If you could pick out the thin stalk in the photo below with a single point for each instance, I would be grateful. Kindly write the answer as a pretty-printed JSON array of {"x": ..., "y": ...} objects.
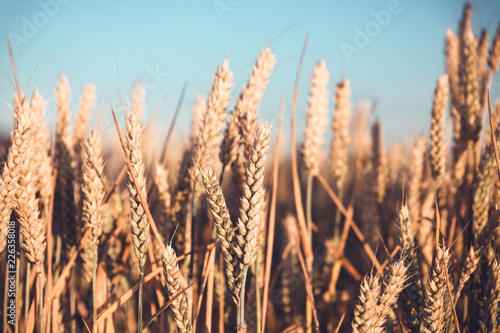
[
  {"x": 94, "y": 287},
  {"x": 27, "y": 293},
  {"x": 72, "y": 299},
  {"x": 191, "y": 258},
  {"x": 241, "y": 304},
  {"x": 338, "y": 217},
  {"x": 221, "y": 176},
  {"x": 18, "y": 268},
  {"x": 139, "y": 308},
  {"x": 310, "y": 179},
  {"x": 222, "y": 294},
  {"x": 257, "y": 293},
  {"x": 40, "y": 301},
  {"x": 5, "y": 287}
]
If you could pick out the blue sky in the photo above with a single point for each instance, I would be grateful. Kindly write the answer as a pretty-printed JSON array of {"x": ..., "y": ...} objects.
[{"x": 167, "y": 43}]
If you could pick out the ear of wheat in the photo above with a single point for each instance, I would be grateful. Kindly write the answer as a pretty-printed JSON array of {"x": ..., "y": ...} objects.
[{"x": 17, "y": 154}]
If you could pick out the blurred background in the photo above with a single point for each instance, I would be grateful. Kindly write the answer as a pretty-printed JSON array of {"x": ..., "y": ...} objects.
[{"x": 392, "y": 51}]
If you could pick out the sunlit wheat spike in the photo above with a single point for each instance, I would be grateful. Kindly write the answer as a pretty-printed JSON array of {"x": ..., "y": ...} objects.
[
  {"x": 82, "y": 121},
  {"x": 93, "y": 184},
  {"x": 31, "y": 225},
  {"x": 394, "y": 282},
  {"x": 340, "y": 128},
  {"x": 251, "y": 94},
  {"x": 65, "y": 200},
  {"x": 251, "y": 201},
  {"x": 199, "y": 110},
  {"x": 364, "y": 313},
  {"x": 42, "y": 160},
  {"x": 21, "y": 138},
  {"x": 482, "y": 181},
  {"x": 469, "y": 78},
  {"x": 223, "y": 226},
  {"x": 494, "y": 59},
  {"x": 63, "y": 95},
  {"x": 179, "y": 305},
  {"x": 229, "y": 147},
  {"x": 482, "y": 54},
  {"x": 139, "y": 220},
  {"x": 437, "y": 149},
  {"x": 434, "y": 312},
  {"x": 138, "y": 99},
  {"x": 379, "y": 162},
  {"x": 452, "y": 52},
  {"x": 212, "y": 123},
  {"x": 252, "y": 198},
  {"x": 411, "y": 298},
  {"x": 84, "y": 112},
  {"x": 163, "y": 200},
  {"x": 493, "y": 297},
  {"x": 291, "y": 266},
  {"x": 416, "y": 176},
  {"x": 316, "y": 121},
  {"x": 474, "y": 254}
]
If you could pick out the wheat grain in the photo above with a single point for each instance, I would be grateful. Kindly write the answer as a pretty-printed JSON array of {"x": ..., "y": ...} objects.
[
  {"x": 223, "y": 226},
  {"x": 412, "y": 296},
  {"x": 394, "y": 283},
  {"x": 17, "y": 153},
  {"x": 316, "y": 120},
  {"x": 340, "y": 127},
  {"x": 364, "y": 313},
  {"x": 434, "y": 311},
  {"x": 437, "y": 148},
  {"x": 139, "y": 220},
  {"x": 173, "y": 276}
]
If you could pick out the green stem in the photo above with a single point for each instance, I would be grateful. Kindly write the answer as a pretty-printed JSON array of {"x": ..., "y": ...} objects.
[{"x": 139, "y": 308}]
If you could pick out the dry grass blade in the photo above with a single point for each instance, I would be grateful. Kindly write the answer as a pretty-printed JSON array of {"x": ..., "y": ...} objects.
[{"x": 272, "y": 219}]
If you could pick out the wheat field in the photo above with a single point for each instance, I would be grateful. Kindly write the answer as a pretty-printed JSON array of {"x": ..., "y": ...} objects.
[{"x": 231, "y": 233}]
